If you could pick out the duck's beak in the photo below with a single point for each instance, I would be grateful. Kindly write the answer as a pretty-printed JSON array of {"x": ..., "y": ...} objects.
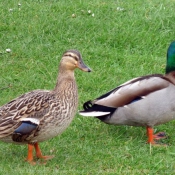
[{"x": 83, "y": 67}]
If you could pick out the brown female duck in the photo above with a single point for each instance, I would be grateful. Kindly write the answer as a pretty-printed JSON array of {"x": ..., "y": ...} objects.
[{"x": 42, "y": 114}]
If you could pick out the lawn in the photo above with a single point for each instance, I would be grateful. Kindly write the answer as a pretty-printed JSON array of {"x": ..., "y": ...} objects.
[{"x": 119, "y": 40}]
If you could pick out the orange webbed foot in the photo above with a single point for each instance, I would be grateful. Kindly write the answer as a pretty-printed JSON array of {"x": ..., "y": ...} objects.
[
  {"x": 31, "y": 162},
  {"x": 152, "y": 137},
  {"x": 45, "y": 157},
  {"x": 160, "y": 135},
  {"x": 38, "y": 154}
]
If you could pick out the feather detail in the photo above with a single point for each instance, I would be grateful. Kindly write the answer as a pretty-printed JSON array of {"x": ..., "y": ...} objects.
[
  {"x": 132, "y": 91},
  {"x": 31, "y": 120},
  {"x": 93, "y": 113},
  {"x": 96, "y": 110},
  {"x": 26, "y": 127}
]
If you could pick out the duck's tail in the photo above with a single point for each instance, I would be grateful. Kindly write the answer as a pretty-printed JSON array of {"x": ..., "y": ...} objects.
[{"x": 95, "y": 110}]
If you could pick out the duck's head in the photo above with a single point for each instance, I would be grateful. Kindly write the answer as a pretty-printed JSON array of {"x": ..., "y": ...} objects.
[
  {"x": 170, "y": 66},
  {"x": 71, "y": 60}
]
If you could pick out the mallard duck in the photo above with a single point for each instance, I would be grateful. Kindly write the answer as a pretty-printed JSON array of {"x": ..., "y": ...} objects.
[
  {"x": 40, "y": 115},
  {"x": 144, "y": 101}
]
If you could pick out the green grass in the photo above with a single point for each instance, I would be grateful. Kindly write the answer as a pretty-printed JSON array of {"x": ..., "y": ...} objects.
[{"x": 118, "y": 45}]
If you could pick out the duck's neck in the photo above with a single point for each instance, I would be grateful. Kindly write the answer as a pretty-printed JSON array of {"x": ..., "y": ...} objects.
[
  {"x": 65, "y": 81},
  {"x": 171, "y": 77},
  {"x": 170, "y": 66}
]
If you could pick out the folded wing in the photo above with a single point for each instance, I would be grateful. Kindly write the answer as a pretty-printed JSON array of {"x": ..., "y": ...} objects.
[{"x": 129, "y": 92}]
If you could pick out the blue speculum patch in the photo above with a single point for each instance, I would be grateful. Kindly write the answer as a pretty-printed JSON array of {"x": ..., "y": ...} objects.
[{"x": 26, "y": 127}]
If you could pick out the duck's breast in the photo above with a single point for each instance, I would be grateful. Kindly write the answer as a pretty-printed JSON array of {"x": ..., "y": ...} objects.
[{"x": 57, "y": 120}]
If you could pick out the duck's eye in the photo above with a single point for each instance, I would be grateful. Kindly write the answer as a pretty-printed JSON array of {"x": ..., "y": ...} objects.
[{"x": 76, "y": 59}]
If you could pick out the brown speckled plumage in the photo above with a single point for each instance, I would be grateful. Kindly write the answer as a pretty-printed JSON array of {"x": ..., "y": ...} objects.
[{"x": 47, "y": 113}]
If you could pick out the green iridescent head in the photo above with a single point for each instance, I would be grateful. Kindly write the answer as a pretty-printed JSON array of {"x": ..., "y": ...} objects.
[{"x": 170, "y": 66}]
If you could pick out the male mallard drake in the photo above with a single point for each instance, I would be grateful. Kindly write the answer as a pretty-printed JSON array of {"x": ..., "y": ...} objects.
[
  {"x": 143, "y": 101},
  {"x": 41, "y": 114}
]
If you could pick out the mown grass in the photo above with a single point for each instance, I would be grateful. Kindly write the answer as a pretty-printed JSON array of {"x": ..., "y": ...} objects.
[{"x": 118, "y": 44}]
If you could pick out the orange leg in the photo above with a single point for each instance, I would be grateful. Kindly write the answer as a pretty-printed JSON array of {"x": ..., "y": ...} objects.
[
  {"x": 39, "y": 154},
  {"x": 152, "y": 136},
  {"x": 30, "y": 154}
]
